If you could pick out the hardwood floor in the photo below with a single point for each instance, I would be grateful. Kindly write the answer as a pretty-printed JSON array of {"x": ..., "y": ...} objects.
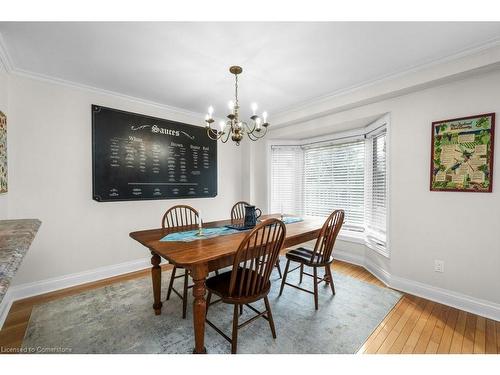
[
  {"x": 419, "y": 326},
  {"x": 414, "y": 325}
]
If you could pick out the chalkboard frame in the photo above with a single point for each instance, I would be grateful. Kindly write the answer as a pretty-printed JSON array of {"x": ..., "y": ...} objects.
[{"x": 95, "y": 109}]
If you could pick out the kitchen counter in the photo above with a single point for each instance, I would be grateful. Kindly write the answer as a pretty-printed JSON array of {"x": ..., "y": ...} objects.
[{"x": 15, "y": 239}]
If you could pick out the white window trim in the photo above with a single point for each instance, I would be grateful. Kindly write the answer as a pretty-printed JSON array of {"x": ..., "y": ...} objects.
[
  {"x": 375, "y": 128},
  {"x": 341, "y": 137}
]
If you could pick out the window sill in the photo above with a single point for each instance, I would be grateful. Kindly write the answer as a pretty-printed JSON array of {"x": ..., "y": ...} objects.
[
  {"x": 351, "y": 236},
  {"x": 359, "y": 238}
]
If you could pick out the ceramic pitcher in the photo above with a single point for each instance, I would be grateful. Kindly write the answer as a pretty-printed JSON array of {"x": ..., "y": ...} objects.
[{"x": 251, "y": 215}]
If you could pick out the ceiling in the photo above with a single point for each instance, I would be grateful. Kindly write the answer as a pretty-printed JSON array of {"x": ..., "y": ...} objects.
[{"x": 185, "y": 65}]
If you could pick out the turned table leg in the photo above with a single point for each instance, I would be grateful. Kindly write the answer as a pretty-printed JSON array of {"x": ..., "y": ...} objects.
[
  {"x": 156, "y": 278},
  {"x": 199, "y": 274},
  {"x": 327, "y": 275}
]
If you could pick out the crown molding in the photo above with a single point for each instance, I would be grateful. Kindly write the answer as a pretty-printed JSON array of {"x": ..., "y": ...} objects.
[
  {"x": 305, "y": 111},
  {"x": 6, "y": 62},
  {"x": 97, "y": 90}
]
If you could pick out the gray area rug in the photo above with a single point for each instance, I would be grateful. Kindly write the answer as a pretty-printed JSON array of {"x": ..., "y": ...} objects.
[{"x": 119, "y": 319}]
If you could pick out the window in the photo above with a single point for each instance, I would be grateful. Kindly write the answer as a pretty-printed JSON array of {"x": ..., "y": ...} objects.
[
  {"x": 334, "y": 178},
  {"x": 315, "y": 179},
  {"x": 376, "y": 184},
  {"x": 286, "y": 179}
]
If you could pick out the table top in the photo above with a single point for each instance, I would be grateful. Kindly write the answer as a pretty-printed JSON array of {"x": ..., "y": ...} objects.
[
  {"x": 207, "y": 249},
  {"x": 15, "y": 239}
]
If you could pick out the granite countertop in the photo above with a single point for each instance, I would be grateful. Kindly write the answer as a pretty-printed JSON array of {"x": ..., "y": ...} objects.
[{"x": 15, "y": 239}]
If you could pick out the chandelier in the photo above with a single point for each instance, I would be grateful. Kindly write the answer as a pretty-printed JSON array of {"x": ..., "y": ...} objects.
[{"x": 234, "y": 127}]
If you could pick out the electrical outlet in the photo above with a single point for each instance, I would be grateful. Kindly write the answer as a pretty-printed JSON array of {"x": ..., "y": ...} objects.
[{"x": 438, "y": 265}]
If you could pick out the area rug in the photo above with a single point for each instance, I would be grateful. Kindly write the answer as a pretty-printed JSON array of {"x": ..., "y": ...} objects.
[{"x": 119, "y": 319}]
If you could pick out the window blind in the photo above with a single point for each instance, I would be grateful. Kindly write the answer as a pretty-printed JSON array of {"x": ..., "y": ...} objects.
[
  {"x": 286, "y": 179},
  {"x": 316, "y": 179},
  {"x": 334, "y": 179},
  {"x": 376, "y": 186}
]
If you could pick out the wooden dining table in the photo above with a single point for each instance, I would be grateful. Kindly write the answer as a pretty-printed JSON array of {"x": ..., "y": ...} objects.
[{"x": 204, "y": 255}]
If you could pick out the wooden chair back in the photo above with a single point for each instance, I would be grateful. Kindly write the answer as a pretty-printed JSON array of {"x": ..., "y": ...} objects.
[
  {"x": 238, "y": 210},
  {"x": 327, "y": 236},
  {"x": 255, "y": 259},
  {"x": 180, "y": 216}
]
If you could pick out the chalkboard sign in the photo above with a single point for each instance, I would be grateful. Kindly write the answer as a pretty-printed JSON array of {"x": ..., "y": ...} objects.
[{"x": 137, "y": 157}]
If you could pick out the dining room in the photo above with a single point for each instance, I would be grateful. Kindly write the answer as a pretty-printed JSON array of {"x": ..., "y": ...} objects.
[{"x": 251, "y": 187}]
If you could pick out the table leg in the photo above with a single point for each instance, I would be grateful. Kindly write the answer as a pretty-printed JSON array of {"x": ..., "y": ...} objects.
[
  {"x": 327, "y": 276},
  {"x": 199, "y": 274},
  {"x": 156, "y": 278}
]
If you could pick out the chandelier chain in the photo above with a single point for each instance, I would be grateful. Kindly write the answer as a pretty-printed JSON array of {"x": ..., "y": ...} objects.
[{"x": 236, "y": 89}]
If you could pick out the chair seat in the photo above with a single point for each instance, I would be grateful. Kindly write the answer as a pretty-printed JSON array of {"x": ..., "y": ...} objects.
[
  {"x": 303, "y": 255},
  {"x": 219, "y": 285}
]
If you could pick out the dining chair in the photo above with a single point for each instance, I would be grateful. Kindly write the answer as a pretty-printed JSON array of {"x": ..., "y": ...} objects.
[
  {"x": 249, "y": 279},
  {"x": 180, "y": 218},
  {"x": 238, "y": 210},
  {"x": 238, "y": 213},
  {"x": 321, "y": 256}
]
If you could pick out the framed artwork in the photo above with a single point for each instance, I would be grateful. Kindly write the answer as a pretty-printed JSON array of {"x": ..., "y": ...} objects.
[
  {"x": 3, "y": 153},
  {"x": 462, "y": 154}
]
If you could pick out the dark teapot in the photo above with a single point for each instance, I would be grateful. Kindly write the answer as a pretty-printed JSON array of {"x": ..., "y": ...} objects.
[{"x": 251, "y": 215}]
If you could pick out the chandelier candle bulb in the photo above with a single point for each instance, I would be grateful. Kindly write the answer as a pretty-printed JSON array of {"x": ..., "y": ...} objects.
[
  {"x": 264, "y": 116},
  {"x": 257, "y": 123},
  {"x": 230, "y": 104},
  {"x": 210, "y": 111}
]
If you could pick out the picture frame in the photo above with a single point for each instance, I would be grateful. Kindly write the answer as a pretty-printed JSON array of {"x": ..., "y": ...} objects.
[{"x": 462, "y": 152}]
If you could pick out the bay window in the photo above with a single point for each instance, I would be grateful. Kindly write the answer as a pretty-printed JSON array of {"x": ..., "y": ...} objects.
[{"x": 350, "y": 174}]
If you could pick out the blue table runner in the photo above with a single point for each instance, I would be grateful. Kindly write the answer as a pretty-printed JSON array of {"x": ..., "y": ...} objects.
[
  {"x": 292, "y": 219},
  {"x": 192, "y": 235}
]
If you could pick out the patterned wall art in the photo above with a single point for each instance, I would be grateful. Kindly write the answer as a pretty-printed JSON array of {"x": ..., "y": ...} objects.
[
  {"x": 462, "y": 154},
  {"x": 3, "y": 153}
]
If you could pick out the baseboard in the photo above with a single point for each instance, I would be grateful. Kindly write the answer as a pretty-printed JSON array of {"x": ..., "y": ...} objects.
[
  {"x": 348, "y": 257},
  {"x": 22, "y": 291},
  {"x": 383, "y": 275},
  {"x": 5, "y": 307},
  {"x": 447, "y": 297}
]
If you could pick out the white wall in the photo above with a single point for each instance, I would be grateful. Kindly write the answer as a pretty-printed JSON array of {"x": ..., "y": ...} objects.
[
  {"x": 50, "y": 179},
  {"x": 3, "y": 107},
  {"x": 463, "y": 229}
]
